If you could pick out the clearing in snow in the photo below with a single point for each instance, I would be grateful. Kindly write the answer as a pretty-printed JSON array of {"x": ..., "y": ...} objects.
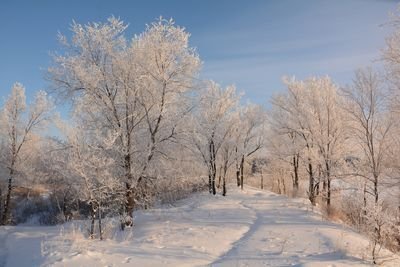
[{"x": 246, "y": 228}]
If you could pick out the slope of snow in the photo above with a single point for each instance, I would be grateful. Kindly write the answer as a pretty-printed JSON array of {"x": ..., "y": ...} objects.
[{"x": 246, "y": 228}]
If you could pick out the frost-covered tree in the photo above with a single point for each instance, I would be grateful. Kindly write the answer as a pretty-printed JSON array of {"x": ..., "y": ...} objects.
[
  {"x": 249, "y": 136},
  {"x": 391, "y": 57},
  {"x": 310, "y": 120},
  {"x": 212, "y": 125},
  {"x": 328, "y": 129},
  {"x": 370, "y": 126},
  {"x": 19, "y": 123},
  {"x": 293, "y": 117},
  {"x": 286, "y": 148},
  {"x": 380, "y": 228},
  {"x": 228, "y": 155},
  {"x": 133, "y": 90},
  {"x": 56, "y": 176},
  {"x": 99, "y": 187}
]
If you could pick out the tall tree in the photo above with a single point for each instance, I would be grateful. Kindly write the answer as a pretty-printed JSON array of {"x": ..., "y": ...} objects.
[
  {"x": 328, "y": 129},
  {"x": 135, "y": 91},
  {"x": 370, "y": 125},
  {"x": 293, "y": 117}
]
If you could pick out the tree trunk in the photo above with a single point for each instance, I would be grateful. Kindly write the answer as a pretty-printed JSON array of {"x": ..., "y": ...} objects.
[
  {"x": 100, "y": 230},
  {"x": 296, "y": 172},
  {"x": 328, "y": 185},
  {"x": 241, "y": 172},
  {"x": 214, "y": 190},
  {"x": 319, "y": 181},
  {"x": 210, "y": 181},
  {"x": 311, "y": 193},
  {"x": 262, "y": 180},
  {"x": 129, "y": 206},
  {"x": 145, "y": 194},
  {"x": 129, "y": 197},
  {"x": 214, "y": 172},
  {"x": 328, "y": 198},
  {"x": 7, "y": 209},
  {"x": 93, "y": 216},
  {"x": 365, "y": 199},
  {"x": 210, "y": 169},
  {"x": 224, "y": 184},
  {"x": 237, "y": 169},
  {"x": 373, "y": 252},
  {"x": 213, "y": 167},
  {"x": 376, "y": 189},
  {"x": 238, "y": 175}
]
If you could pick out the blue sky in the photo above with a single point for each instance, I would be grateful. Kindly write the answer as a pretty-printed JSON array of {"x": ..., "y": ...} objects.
[{"x": 248, "y": 43}]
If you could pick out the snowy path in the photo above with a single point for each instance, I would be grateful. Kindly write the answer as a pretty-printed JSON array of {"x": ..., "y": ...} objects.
[
  {"x": 249, "y": 228},
  {"x": 285, "y": 233}
]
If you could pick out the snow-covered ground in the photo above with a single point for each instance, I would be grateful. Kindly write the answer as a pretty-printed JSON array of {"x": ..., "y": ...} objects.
[{"x": 246, "y": 228}]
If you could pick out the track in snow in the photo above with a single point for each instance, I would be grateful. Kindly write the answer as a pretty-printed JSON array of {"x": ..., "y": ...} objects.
[{"x": 246, "y": 228}]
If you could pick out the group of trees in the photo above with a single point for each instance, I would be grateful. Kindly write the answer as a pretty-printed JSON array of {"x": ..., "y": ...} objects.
[
  {"x": 339, "y": 147},
  {"x": 342, "y": 143},
  {"x": 139, "y": 116},
  {"x": 309, "y": 121},
  {"x": 226, "y": 133},
  {"x": 143, "y": 123},
  {"x": 333, "y": 133}
]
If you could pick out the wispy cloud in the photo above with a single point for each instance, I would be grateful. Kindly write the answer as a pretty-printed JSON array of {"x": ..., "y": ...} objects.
[{"x": 323, "y": 39}]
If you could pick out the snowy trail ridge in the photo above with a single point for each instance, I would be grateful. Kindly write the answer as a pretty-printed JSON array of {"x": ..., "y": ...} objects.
[{"x": 246, "y": 228}]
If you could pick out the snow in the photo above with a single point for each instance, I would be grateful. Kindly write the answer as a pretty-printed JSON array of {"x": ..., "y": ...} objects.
[{"x": 246, "y": 228}]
